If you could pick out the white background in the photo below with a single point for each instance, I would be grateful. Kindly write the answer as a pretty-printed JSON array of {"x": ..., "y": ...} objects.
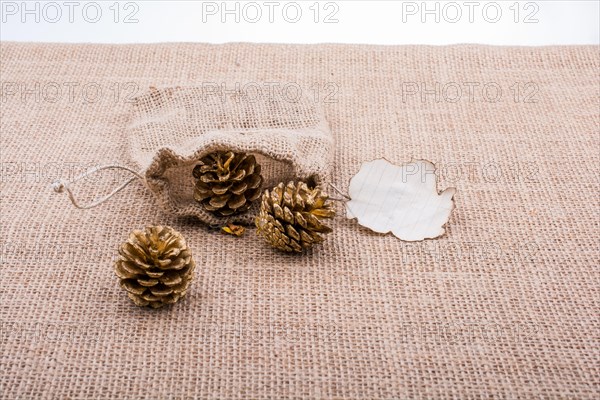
[{"x": 375, "y": 22}]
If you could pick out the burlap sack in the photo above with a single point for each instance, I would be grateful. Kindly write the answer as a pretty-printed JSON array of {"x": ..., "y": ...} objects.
[{"x": 172, "y": 128}]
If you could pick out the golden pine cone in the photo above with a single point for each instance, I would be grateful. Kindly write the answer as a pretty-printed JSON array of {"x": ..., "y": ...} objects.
[
  {"x": 227, "y": 182},
  {"x": 155, "y": 266},
  {"x": 290, "y": 216}
]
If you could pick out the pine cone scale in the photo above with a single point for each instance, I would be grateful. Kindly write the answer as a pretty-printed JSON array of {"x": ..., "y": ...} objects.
[
  {"x": 138, "y": 300},
  {"x": 172, "y": 281},
  {"x": 236, "y": 201},
  {"x": 219, "y": 201},
  {"x": 147, "y": 282},
  {"x": 129, "y": 269},
  {"x": 161, "y": 292},
  {"x": 239, "y": 188},
  {"x": 221, "y": 189},
  {"x": 134, "y": 252},
  {"x": 132, "y": 287}
]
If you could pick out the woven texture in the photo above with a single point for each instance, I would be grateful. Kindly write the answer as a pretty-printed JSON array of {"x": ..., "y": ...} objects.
[
  {"x": 505, "y": 305},
  {"x": 172, "y": 128}
]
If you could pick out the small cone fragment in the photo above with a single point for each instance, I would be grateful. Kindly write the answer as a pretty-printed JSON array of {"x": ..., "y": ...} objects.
[{"x": 235, "y": 230}]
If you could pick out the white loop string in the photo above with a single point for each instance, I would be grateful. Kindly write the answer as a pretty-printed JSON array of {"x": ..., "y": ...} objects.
[
  {"x": 60, "y": 186},
  {"x": 345, "y": 196}
]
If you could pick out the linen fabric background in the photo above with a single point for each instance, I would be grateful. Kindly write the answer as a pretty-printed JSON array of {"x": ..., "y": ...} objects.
[{"x": 505, "y": 305}]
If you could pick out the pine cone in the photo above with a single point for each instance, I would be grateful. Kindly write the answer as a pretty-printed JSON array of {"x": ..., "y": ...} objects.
[
  {"x": 155, "y": 266},
  {"x": 227, "y": 182},
  {"x": 290, "y": 216}
]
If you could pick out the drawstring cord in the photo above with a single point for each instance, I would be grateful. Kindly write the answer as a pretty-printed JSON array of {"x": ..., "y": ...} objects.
[
  {"x": 60, "y": 186},
  {"x": 345, "y": 197}
]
